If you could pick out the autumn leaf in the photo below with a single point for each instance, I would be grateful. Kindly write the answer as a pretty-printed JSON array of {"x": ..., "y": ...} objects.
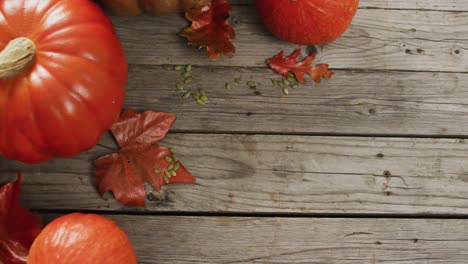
[
  {"x": 18, "y": 226},
  {"x": 211, "y": 29},
  {"x": 299, "y": 68},
  {"x": 139, "y": 159}
]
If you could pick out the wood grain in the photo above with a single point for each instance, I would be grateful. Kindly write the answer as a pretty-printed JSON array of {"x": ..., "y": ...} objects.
[
  {"x": 278, "y": 174},
  {"x": 365, "y": 103},
  {"x": 439, "y": 5},
  {"x": 378, "y": 39},
  {"x": 228, "y": 240}
]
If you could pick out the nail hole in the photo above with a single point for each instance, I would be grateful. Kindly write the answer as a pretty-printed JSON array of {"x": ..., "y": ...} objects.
[
  {"x": 457, "y": 51},
  {"x": 387, "y": 173},
  {"x": 380, "y": 155},
  {"x": 372, "y": 111}
]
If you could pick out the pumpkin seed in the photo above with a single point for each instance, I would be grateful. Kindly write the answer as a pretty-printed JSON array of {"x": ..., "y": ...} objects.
[
  {"x": 202, "y": 91},
  {"x": 188, "y": 68},
  {"x": 291, "y": 79},
  {"x": 185, "y": 74},
  {"x": 171, "y": 150},
  {"x": 179, "y": 67},
  {"x": 173, "y": 173},
  {"x": 285, "y": 91},
  {"x": 166, "y": 179},
  {"x": 157, "y": 171},
  {"x": 170, "y": 167},
  {"x": 286, "y": 82},
  {"x": 200, "y": 102},
  {"x": 227, "y": 86},
  {"x": 167, "y": 173},
  {"x": 295, "y": 86},
  {"x": 167, "y": 67},
  {"x": 179, "y": 86},
  {"x": 196, "y": 96},
  {"x": 174, "y": 158},
  {"x": 168, "y": 159},
  {"x": 177, "y": 166},
  {"x": 186, "y": 95},
  {"x": 252, "y": 84},
  {"x": 238, "y": 80},
  {"x": 204, "y": 98},
  {"x": 189, "y": 79}
]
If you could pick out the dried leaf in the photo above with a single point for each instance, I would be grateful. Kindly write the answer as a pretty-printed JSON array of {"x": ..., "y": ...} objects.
[
  {"x": 211, "y": 29},
  {"x": 139, "y": 159},
  {"x": 18, "y": 226},
  {"x": 299, "y": 68}
]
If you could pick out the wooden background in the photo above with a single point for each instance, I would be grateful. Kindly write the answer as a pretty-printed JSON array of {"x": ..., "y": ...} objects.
[{"x": 368, "y": 167}]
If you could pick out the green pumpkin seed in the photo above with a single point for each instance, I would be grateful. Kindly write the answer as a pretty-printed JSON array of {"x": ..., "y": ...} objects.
[
  {"x": 290, "y": 74},
  {"x": 295, "y": 86},
  {"x": 285, "y": 91},
  {"x": 252, "y": 84},
  {"x": 177, "y": 166},
  {"x": 171, "y": 150},
  {"x": 168, "y": 159},
  {"x": 189, "y": 79},
  {"x": 291, "y": 79},
  {"x": 167, "y": 67},
  {"x": 196, "y": 96},
  {"x": 170, "y": 167},
  {"x": 200, "y": 102},
  {"x": 179, "y": 67},
  {"x": 185, "y": 74},
  {"x": 179, "y": 86},
  {"x": 166, "y": 179},
  {"x": 285, "y": 82},
  {"x": 238, "y": 80},
  {"x": 188, "y": 67},
  {"x": 202, "y": 91},
  {"x": 273, "y": 81},
  {"x": 203, "y": 98},
  {"x": 157, "y": 171},
  {"x": 173, "y": 173},
  {"x": 167, "y": 173},
  {"x": 186, "y": 95},
  {"x": 174, "y": 158},
  {"x": 227, "y": 86}
]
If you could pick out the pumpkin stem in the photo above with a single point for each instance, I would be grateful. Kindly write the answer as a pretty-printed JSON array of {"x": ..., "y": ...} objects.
[{"x": 16, "y": 56}]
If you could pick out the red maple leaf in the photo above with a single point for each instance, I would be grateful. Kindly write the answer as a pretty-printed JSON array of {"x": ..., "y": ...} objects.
[
  {"x": 211, "y": 29},
  {"x": 139, "y": 159},
  {"x": 18, "y": 226},
  {"x": 299, "y": 68}
]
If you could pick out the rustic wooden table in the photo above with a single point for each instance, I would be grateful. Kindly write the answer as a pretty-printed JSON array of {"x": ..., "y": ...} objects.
[{"x": 368, "y": 167}]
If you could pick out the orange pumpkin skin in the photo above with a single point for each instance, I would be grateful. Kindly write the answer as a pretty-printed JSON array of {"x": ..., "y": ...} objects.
[
  {"x": 79, "y": 239},
  {"x": 74, "y": 89},
  {"x": 307, "y": 22}
]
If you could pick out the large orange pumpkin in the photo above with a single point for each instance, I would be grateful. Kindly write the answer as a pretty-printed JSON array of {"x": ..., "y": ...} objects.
[
  {"x": 307, "y": 22},
  {"x": 82, "y": 238},
  {"x": 62, "y": 78}
]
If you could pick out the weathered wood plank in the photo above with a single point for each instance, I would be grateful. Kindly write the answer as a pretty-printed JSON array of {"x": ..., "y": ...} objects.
[
  {"x": 366, "y": 103},
  {"x": 172, "y": 239},
  {"x": 379, "y": 39},
  {"x": 440, "y": 5},
  {"x": 278, "y": 174}
]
